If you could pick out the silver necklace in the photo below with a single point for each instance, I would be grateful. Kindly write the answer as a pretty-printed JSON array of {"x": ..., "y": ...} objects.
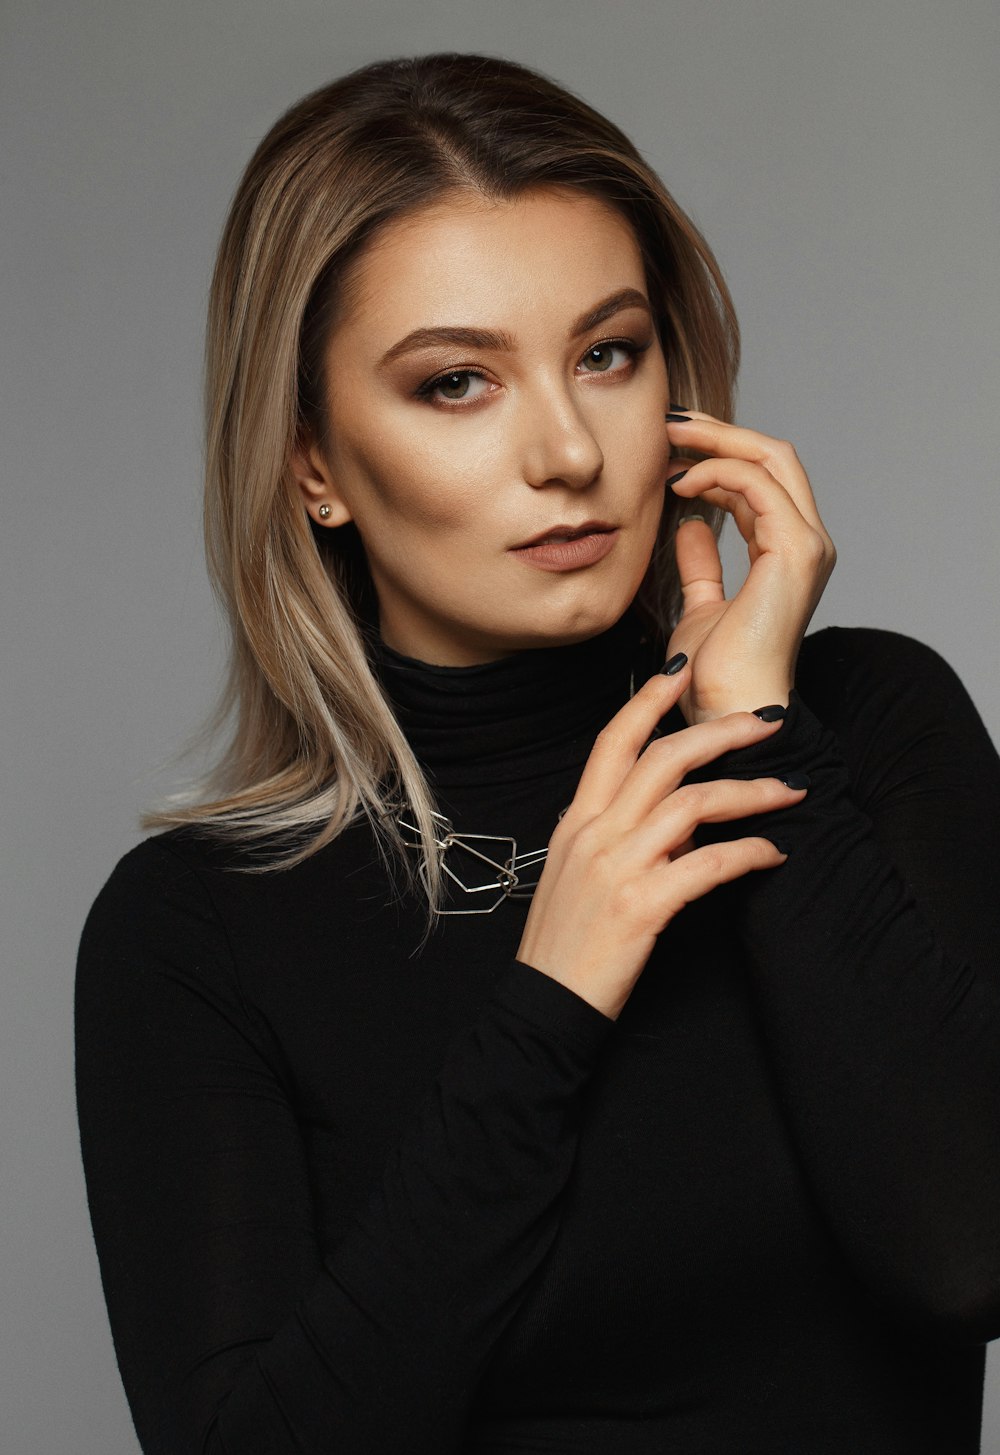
[{"x": 506, "y": 881}]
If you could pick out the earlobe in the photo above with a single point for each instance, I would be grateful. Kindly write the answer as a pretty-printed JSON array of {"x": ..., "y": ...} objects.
[{"x": 322, "y": 499}]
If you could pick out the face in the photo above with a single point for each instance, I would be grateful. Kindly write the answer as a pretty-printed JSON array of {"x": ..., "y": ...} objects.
[{"x": 495, "y": 375}]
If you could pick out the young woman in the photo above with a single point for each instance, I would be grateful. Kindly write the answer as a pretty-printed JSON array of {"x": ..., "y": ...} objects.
[{"x": 654, "y": 1104}]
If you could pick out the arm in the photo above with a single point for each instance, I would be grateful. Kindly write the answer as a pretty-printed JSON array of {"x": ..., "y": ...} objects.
[
  {"x": 235, "y": 1332},
  {"x": 875, "y": 958},
  {"x": 874, "y": 950}
]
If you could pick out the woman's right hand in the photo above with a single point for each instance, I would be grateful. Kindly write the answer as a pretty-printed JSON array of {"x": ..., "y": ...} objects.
[{"x": 621, "y": 862}]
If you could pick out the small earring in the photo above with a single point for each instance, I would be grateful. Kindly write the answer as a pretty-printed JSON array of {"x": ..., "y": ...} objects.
[{"x": 325, "y": 511}]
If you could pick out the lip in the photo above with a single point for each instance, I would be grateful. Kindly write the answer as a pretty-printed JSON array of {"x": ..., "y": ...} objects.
[
  {"x": 585, "y": 550},
  {"x": 584, "y": 528}
]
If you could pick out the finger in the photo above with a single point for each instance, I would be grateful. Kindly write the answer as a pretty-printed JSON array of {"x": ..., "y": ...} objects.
[
  {"x": 619, "y": 744},
  {"x": 699, "y": 566},
  {"x": 693, "y": 875},
  {"x": 737, "y": 509},
  {"x": 764, "y": 494},
  {"x": 667, "y": 761},
  {"x": 774, "y": 521},
  {"x": 730, "y": 441},
  {"x": 672, "y": 822},
  {"x": 678, "y": 466},
  {"x": 735, "y": 506}
]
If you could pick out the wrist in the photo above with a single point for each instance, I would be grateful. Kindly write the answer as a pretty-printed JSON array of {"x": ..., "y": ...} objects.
[{"x": 702, "y": 707}]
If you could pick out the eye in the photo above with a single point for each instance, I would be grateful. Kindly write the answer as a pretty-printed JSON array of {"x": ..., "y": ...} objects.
[
  {"x": 455, "y": 386},
  {"x": 601, "y": 358}
]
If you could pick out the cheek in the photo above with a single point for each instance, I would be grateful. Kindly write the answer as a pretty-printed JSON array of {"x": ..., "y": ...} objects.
[
  {"x": 638, "y": 447},
  {"x": 400, "y": 481},
  {"x": 636, "y": 437}
]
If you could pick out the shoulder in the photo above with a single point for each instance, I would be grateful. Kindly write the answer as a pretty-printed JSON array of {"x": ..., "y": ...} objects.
[
  {"x": 153, "y": 912},
  {"x": 899, "y": 711},
  {"x": 187, "y": 901},
  {"x": 868, "y": 669},
  {"x": 163, "y": 872},
  {"x": 861, "y": 651}
]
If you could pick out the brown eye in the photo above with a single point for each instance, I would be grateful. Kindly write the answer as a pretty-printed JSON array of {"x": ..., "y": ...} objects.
[
  {"x": 453, "y": 386},
  {"x": 458, "y": 386},
  {"x": 599, "y": 358}
]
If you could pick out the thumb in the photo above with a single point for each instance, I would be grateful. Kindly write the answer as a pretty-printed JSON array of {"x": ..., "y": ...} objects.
[{"x": 699, "y": 565}]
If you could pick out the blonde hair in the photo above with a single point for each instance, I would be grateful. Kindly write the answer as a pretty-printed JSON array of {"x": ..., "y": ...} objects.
[{"x": 313, "y": 741}]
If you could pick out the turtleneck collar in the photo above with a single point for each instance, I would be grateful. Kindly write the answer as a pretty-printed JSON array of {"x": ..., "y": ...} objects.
[{"x": 526, "y": 715}]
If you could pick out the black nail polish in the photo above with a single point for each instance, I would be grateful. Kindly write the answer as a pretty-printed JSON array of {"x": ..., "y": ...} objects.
[
  {"x": 781, "y": 845},
  {"x": 796, "y": 779},
  {"x": 674, "y": 478},
  {"x": 683, "y": 418},
  {"x": 674, "y": 665},
  {"x": 677, "y": 406},
  {"x": 772, "y": 713}
]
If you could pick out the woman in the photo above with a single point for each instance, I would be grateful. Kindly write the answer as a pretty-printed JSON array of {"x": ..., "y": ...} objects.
[{"x": 691, "y": 1147}]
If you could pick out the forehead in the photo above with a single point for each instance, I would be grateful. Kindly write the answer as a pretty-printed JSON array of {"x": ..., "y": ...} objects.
[{"x": 468, "y": 259}]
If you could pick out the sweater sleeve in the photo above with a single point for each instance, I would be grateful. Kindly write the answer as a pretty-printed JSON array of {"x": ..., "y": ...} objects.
[
  {"x": 874, "y": 954},
  {"x": 236, "y": 1334}
]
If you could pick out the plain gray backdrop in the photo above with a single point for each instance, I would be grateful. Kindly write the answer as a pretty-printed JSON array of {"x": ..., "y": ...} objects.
[{"x": 841, "y": 159}]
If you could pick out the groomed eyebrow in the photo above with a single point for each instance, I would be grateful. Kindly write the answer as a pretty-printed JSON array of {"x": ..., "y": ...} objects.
[{"x": 502, "y": 342}]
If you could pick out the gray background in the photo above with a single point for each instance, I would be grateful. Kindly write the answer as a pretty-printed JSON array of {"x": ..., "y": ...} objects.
[{"x": 840, "y": 159}]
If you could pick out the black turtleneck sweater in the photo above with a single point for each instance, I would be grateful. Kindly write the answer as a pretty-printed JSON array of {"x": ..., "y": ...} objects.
[{"x": 350, "y": 1196}]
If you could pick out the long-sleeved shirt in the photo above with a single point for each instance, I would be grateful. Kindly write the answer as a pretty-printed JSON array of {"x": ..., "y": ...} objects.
[{"x": 353, "y": 1196}]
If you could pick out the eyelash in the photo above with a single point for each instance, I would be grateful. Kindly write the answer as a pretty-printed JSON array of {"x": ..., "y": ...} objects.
[{"x": 426, "y": 391}]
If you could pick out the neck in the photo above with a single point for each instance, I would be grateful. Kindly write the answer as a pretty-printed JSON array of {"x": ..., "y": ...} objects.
[{"x": 524, "y": 715}]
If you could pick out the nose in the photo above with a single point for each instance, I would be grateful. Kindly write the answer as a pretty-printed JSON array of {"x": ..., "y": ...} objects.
[{"x": 558, "y": 445}]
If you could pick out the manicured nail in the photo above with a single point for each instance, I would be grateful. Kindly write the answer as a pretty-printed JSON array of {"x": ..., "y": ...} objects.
[
  {"x": 781, "y": 845},
  {"x": 677, "y": 406},
  {"x": 772, "y": 713},
  {"x": 674, "y": 665},
  {"x": 796, "y": 779},
  {"x": 674, "y": 478},
  {"x": 680, "y": 418}
]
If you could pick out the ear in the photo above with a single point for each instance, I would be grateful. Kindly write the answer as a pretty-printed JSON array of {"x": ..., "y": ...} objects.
[{"x": 316, "y": 487}]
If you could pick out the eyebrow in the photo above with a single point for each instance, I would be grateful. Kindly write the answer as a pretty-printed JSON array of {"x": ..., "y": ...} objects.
[{"x": 502, "y": 342}]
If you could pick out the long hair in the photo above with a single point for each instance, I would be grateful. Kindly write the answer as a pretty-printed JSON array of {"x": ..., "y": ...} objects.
[{"x": 313, "y": 742}]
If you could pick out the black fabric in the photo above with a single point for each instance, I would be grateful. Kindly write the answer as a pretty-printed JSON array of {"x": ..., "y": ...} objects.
[{"x": 349, "y": 1197}]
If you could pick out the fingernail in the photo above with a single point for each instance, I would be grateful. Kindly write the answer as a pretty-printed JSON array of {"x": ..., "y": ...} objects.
[
  {"x": 674, "y": 665},
  {"x": 677, "y": 406},
  {"x": 796, "y": 779},
  {"x": 681, "y": 418},
  {"x": 692, "y": 515},
  {"x": 781, "y": 845},
  {"x": 674, "y": 478},
  {"x": 772, "y": 713}
]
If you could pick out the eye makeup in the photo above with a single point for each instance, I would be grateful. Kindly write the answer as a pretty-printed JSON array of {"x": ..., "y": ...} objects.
[{"x": 451, "y": 377}]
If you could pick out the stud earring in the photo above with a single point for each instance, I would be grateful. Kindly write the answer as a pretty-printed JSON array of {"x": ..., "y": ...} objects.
[{"x": 325, "y": 511}]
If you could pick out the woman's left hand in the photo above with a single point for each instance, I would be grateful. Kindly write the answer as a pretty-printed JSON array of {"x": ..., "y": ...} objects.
[{"x": 743, "y": 651}]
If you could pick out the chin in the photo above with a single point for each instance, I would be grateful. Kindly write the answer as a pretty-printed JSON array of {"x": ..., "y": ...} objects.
[{"x": 562, "y": 623}]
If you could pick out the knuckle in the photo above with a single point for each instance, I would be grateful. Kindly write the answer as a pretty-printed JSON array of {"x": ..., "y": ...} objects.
[
  {"x": 565, "y": 830},
  {"x": 627, "y": 899},
  {"x": 661, "y": 746},
  {"x": 714, "y": 861},
  {"x": 784, "y": 450},
  {"x": 608, "y": 738},
  {"x": 587, "y": 841},
  {"x": 694, "y": 798},
  {"x": 814, "y": 548}
]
